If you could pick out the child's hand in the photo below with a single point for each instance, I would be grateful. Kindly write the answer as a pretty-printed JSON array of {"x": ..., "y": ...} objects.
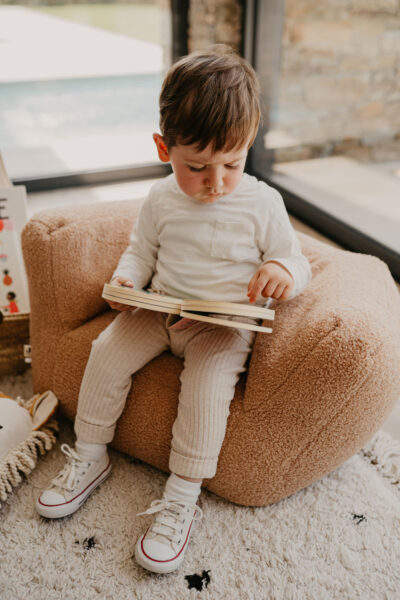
[
  {"x": 272, "y": 280},
  {"x": 121, "y": 280}
]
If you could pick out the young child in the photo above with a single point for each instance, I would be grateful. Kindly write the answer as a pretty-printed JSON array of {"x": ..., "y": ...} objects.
[{"x": 206, "y": 231}]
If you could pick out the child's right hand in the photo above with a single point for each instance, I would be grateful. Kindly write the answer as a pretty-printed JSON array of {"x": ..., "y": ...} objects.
[{"x": 121, "y": 280}]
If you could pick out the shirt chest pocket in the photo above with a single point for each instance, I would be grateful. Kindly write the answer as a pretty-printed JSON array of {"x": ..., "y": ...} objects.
[{"x": 234, "y": 241}]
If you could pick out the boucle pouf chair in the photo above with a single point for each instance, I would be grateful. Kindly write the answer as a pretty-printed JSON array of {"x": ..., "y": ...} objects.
[{"x": 315, "y": 391}]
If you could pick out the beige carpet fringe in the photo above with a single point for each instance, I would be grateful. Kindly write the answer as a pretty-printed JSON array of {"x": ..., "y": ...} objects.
[{"x": 384, "y": 452}]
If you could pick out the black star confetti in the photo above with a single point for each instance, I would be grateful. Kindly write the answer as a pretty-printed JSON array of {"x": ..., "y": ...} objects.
[
  {"x": 88, "y": 543},
  {"x": 360, "y": 517},
  {"x": 200, "y": 582}
]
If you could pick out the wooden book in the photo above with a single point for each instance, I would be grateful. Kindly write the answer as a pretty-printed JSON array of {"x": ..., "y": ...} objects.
[{"x": 185, "y": 312}]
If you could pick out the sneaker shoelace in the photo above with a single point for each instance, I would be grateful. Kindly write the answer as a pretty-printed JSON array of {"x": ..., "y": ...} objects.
[
  {"x": 167, "y": 527},
  {"x": 75, "y": 467}
]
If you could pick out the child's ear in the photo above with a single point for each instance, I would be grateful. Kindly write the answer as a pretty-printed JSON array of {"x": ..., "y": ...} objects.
[{"x": 161, "y": 147}]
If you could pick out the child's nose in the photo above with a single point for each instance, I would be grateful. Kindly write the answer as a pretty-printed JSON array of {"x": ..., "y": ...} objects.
[{"x": 215, "y": 180}]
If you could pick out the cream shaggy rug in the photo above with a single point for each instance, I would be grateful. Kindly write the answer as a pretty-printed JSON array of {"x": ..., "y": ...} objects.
[{"x": 338, "y": 538}]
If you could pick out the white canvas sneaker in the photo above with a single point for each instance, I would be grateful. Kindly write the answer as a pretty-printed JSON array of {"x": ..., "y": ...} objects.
[
  {"x": 162, "y": 547},
  {"x": 73, "y": 484}
]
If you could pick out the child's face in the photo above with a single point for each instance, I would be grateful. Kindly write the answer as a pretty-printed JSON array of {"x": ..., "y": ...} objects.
[{"x": 204, "y": 176}]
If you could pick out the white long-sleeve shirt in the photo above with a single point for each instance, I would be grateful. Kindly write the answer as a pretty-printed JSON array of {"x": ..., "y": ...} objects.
[{"x": 186, "y": 249}]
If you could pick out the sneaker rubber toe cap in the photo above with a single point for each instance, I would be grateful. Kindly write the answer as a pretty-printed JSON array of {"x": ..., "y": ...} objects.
[
  {"x": 50, "y": 498},
  {"x": 157, "y": 551}
]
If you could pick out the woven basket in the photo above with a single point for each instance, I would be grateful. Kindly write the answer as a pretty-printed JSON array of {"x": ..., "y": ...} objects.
[{"x": 14, "y": 333}]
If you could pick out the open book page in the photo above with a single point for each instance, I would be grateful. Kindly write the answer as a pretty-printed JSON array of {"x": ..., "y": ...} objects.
[
  {"x": 177, "y": 322},
  {"x": 191, "y": 309},
  {"x": 142, "y": 298},
  {"x": 227, "y": 321}
]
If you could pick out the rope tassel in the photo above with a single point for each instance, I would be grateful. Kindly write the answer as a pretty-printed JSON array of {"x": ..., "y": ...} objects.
[{"x": 23, "y": 458}]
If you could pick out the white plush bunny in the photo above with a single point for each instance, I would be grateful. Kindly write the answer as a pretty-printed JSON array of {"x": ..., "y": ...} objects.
[{"x": 22, "y": 435}]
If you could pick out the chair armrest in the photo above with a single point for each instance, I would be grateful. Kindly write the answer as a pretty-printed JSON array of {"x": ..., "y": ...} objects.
[
  {"x": 69, "y": 253},
  {"x": 324, "y": 338}
]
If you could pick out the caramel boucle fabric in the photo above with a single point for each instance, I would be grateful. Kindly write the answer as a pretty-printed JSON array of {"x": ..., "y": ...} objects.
[{"x": 315, "y": 391}]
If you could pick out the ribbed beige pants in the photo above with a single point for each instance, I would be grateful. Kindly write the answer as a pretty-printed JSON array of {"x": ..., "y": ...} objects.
[{"x": 214, "y": 356}]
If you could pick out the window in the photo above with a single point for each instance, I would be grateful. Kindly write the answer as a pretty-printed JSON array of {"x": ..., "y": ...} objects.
[
  {"x": 79, "y": 86},
  {"x": 331, "y": 101}
]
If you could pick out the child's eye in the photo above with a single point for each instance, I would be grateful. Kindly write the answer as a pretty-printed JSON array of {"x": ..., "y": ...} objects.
[{"x": 198, "y": 169}]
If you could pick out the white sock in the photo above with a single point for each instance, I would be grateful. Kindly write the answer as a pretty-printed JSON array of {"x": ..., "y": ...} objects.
[
  {"x": 90, "y": 451},
  {"x": 177, "y": 488}
]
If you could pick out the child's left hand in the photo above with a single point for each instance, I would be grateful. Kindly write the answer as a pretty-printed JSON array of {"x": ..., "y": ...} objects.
[{"x": 272, "y": 280}]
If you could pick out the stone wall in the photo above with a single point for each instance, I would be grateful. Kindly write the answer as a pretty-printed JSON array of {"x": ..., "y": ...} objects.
[
  {"x": 214, "y": 22},
  {"x": 339, "y": 88}
]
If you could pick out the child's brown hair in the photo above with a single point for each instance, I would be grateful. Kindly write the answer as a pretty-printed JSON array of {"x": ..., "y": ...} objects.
[{"x": 210, "y": 97}]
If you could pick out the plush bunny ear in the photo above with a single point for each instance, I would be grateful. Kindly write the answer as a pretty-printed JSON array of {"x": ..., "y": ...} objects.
[{"x": 42, "y": 408}]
